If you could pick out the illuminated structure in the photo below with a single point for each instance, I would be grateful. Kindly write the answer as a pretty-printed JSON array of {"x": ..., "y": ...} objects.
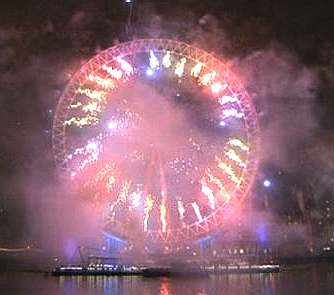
[{"x": 160, "y": 136}]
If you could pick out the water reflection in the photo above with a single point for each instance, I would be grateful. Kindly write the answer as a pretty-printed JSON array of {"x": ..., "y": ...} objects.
[
  {"x": 312, "y": 280},
  {"x": 232, "y": 284},
  {"x": 165, "y": 287}
]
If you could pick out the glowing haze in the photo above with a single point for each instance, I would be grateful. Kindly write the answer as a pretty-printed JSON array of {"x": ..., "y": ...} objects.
[{"x": 159, "y": 142}]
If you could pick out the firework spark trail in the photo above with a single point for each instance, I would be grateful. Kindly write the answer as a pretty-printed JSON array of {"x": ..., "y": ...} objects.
[
  {"x": 99, "y": 95},
  {"x": 90, "y": 151},
  {"x": 123, "y": 196},
  {"x": 106, "y": 176},
  {"x": 229, "y": 171},
  {"x": 227, "y": 99},
  {"x": 232, "y": 155},
  {"x": 207, "y": 78},
  {"x": 213, "y": 179},
  {"x": 166, "y": 61},
  {"x": 154, "y": 62},
  {"x": 135, "y": 198},
  {"x": 163, "y": 216},
  {"x": 196, "y": 70},
  {"x": 92, "y": 108},
  {"x": 179, "y": 69},
  {"x": 197, "y": 211},
  {"x": 106, "y": 84},
  {"x": 113, "y": 72},
  {"x": 98, "y": 98},
  {"x": 149, "y": 201},
  {"x": 238, "y": 143},
  {"x": 163, "y": 207},
  {"x": 125, "y": 66},
  {"x": 181, "y": 211},
  {"x": 107, "y": 172},
  {"x": 218, "y": 87},
  {"x": 207, "y": 191}
]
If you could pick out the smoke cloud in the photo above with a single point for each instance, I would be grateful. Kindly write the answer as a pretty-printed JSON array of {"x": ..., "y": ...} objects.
[{"x": 36, "y": 70}]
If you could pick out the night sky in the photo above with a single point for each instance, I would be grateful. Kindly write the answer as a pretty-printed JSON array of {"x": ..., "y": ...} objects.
[{"x": 42, "y": 42}]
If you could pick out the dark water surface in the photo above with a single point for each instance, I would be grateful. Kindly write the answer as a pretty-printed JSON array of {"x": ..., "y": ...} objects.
[{"x": 313, "y": 280}]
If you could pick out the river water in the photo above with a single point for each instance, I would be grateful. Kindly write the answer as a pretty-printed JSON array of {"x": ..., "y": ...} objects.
[{"x": 313, "y": 280}]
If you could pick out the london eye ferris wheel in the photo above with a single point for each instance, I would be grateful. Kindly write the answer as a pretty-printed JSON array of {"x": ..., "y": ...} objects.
[{"x": 160, "y": 136}]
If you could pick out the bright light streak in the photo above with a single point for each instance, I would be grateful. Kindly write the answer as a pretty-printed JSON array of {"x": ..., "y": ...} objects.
[
  {"x": 166, "y": 61},
  {"x": 207, "y": 191},
  {"x": 181, "y": 209},
  {"x": 154, "y": 62},
  {"x": 13, "y": 250},
  {"x": 197, "y": 211},
  {"x": 180, "y": 67},
  {"x": 196, "y": 70},
  {"x": 163, "y": 217}
]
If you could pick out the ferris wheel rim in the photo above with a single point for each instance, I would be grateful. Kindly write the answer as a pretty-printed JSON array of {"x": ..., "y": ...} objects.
[{"x": 144, "y": 45}]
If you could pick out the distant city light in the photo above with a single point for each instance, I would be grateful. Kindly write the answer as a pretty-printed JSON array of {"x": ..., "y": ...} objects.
[
  {"x": 128, "y": 1},
  {"x": 266, "y": 183},
  {"x": 222, "y": 124},
  {"x": 149, "y": 72}
]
